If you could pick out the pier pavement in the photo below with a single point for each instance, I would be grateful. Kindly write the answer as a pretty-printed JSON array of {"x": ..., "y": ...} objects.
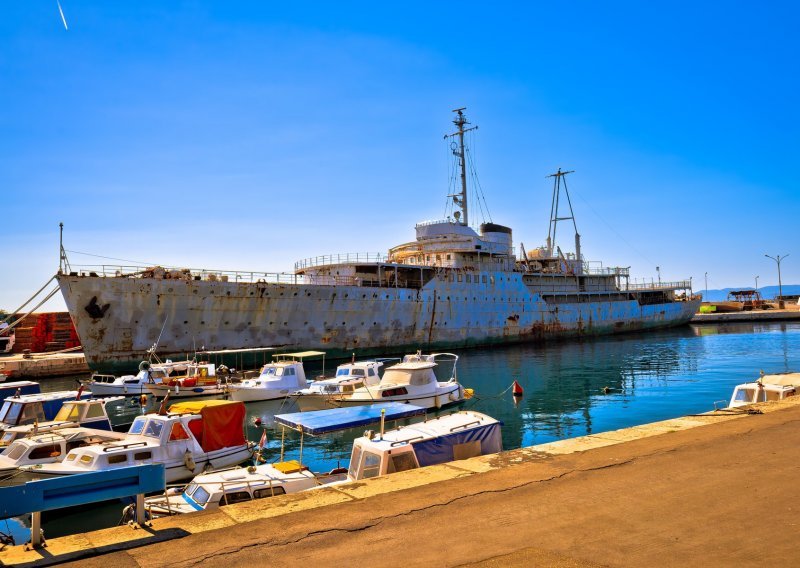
[{"x": 709, "y": 490}]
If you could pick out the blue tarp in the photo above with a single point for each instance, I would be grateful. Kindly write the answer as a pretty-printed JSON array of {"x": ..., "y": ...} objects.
[
  {"x": 325, "y": 421},
  {"x": 441, "y": 449}
]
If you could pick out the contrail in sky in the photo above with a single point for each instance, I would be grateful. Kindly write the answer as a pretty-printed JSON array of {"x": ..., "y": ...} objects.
[{"x": 63, "y": 19}]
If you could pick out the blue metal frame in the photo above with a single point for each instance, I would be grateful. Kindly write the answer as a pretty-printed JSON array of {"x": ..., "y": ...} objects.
[
  {"x": 80, "y": 489},
  {"x": 320, "y": 422}
]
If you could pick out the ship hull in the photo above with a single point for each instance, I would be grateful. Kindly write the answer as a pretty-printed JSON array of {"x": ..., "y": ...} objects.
[{"x": 119, "y": 318}]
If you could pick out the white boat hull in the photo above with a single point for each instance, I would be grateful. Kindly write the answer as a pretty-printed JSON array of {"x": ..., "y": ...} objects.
[
  {"x": 254, "y": 394},
  {"x": 452, "y": 394}
]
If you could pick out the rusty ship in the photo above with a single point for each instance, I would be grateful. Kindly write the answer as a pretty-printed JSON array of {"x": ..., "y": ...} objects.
[{"x": 454, "y": 286}]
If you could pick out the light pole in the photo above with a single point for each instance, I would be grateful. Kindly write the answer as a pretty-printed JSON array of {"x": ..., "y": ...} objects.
[
  {"x": 756, "y": 283},
  {"x": 706, "y": 296},
  {"x": 778, "y": 260},
  {"x": 658, "y": 270}
]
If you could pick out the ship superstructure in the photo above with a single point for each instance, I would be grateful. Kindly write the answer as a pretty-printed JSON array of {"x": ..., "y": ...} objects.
[{"x": 453, "y": 286}]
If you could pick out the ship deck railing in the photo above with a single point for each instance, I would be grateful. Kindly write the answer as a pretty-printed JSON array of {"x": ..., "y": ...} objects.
[
  {"x": 244, "y": 277},
  {"x": 656, "y": 286},
  {"x": 342, "y": 258}
]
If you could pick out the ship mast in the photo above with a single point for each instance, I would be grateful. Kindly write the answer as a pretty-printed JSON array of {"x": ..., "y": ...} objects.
[
  {"x": 559, "y": 178},
  {"x": 460, "y": 199}
]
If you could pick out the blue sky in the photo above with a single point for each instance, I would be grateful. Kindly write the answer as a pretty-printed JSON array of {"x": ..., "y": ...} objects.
[{"x": 248, "y": 135}]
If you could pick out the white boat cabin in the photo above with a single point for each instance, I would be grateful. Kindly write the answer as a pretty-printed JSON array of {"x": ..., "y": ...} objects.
[
  {"x": 51, "y": 447},
  {"x": 455, "y": 436},
  {"x": 191, "y": 438},
  {"x": 90, "y": 413},
  {"x": 766, "y": 389}
]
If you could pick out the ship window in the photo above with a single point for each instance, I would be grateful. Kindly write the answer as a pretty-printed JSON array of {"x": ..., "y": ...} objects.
[
  {"x": 69, "y": 457},
  {"x": 86, "y": 458},
  {"x": 133, "y": 381},
  {"x": 428, "y": 258},
  {"x": 121, "y": 458},
  {"x": 15, "y": 451},
  {"x": 743, "y": 395},
  {"x": 354, "y": 460},
  {"x": 7, "y": 438},
  {"x": 235, "y": 497},
  {"x": 137, "y": 426},
  {"x": 95, "y": 411},
  {"x": 262, "y": 493},
  {"x": 177, "y": 432},
  {"x": 371, "y": 466},
  {"x": 358, "y": 372},
  {"x": 459, "y": 278},
  {"x": 32, "y": 413},
  {"x": 469, "y": 279},
  {"x": 342, "y": 372},
  {"x": 402, "y": 462},
  {"x": 438, "y": 257},
  {"x": 200, "y": 496},
  {"x": 68, "y": 413},
  {"x": 371, "y": 372},
  {"x": 448, "y": 257},
  {"x": 139, "y": 456},
  {"x": 289, "y": 372},
  {"x": 154, "y": 428},
  {"x": 773, "y": 395},
  {"x": 43, "y": 452}
]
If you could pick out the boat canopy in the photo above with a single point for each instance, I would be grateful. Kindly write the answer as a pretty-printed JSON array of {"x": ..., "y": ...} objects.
[
  {"x": 197, "y": 406},
  {"x": 221, "y": 422},
  {"x": 302, "y": 354},
  {"x": 326, "y": 421}
]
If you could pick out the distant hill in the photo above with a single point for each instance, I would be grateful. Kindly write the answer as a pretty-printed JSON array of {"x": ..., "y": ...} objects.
[{"x": 767, "y": 292}]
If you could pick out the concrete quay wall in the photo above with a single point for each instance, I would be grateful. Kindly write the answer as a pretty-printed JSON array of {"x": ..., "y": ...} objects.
[{"x": 712, "y": 490}]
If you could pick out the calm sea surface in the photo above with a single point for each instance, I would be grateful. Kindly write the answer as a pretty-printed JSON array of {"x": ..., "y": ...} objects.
[{"x": 651, "y": 377}]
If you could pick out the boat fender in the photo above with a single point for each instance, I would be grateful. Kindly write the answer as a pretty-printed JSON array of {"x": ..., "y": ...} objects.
[
  {"x": 188, "y": 461},
  {"x": 437, "y": 402}
]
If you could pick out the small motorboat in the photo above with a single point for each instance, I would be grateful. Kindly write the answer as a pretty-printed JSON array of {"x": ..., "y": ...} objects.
[
  {"x": 279, "y": 379},
  {"x": 411, "y": 381},
  {"x": 131, "y": 385},
  {"x": 192, "y": 437},
  {"x": 452, "y": 437},
  {"x": 30, "y": 408},
  {"x": 51, "y": 447},
  {"x": 89, "y": 413},
  {"x": 767, "y": 388},
  {"x": 197, "y": 379},
  {"x": 325, "y": 393}
]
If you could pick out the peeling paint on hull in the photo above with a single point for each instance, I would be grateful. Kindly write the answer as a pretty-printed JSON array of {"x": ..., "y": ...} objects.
[{"x": 336, "y": 319}]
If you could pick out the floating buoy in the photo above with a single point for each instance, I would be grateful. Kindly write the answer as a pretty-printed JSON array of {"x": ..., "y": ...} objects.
[
  {"x": 468, "y": 393},
  {"x": 516, "y": 389}
]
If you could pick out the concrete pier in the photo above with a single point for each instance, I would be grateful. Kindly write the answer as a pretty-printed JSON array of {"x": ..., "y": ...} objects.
[
  {"x": 39, "y": 365},
  {"x": 711, "y": 490},
  {"x": 756, "y": 316}
]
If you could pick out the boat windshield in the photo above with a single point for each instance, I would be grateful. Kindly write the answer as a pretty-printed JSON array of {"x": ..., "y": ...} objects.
[
  {"x": 137, "y": 426},
  {"x": 743, "y": 395},
  {"x": 70, "y": 412},
  {"x": 342, "y": 372},
  {"x": 270, "y": 371},
  {"x": 154, "y": 428},
  {"x": 15, "y": 451},
  {"x": 200, "y": 495}
]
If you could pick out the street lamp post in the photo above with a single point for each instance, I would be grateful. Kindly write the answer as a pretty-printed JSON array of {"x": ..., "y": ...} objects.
[
  {"x": 706, "y": 296},
  {"x": 756, "y": 283},
  {"x": 778, "y": 260},
  {"x": 658, "y": 270}
]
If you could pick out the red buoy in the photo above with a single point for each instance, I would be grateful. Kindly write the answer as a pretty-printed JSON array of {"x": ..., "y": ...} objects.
[
  {"x": 257, "y": 421},
  {"x": 516, "y": 389}
]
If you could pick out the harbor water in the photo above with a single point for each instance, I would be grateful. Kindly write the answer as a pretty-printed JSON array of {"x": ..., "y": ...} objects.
[{"x": 570, "y": 389}]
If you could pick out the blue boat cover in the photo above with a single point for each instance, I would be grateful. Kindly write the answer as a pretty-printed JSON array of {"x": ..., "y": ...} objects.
[{"x": 325, "y": 421}]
